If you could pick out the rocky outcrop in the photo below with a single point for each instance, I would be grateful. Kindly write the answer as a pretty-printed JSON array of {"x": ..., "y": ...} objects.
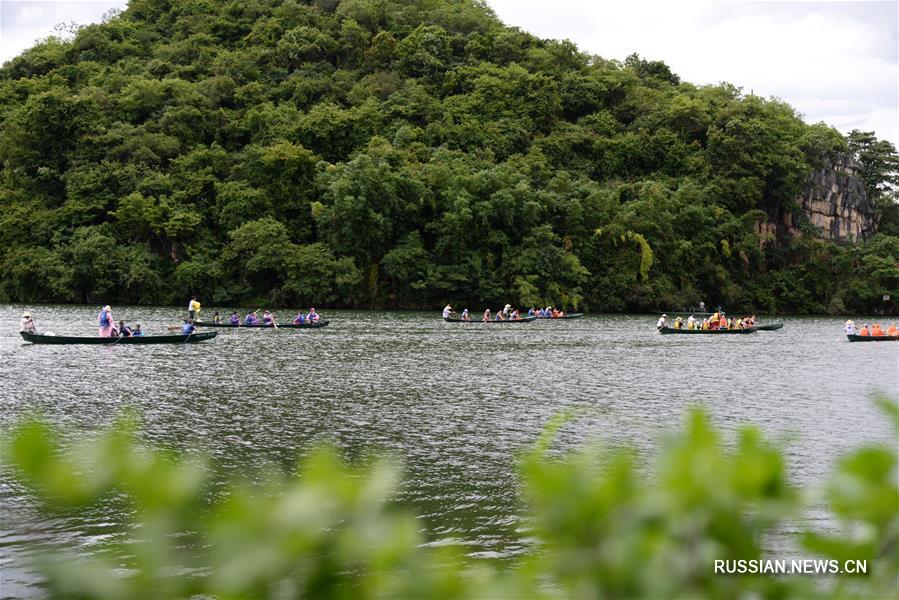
[{"x": 834, "y": 200}]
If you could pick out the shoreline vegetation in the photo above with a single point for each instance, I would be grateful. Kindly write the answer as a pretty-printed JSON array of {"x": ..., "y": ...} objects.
[
  {"x": 400, "y": 154},
  {"x": 602, "y": 525}
]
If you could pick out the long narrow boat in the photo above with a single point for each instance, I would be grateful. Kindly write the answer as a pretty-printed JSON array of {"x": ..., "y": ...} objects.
[
  {"x": 315, "y": 325},
  {"x": 770, "y": 327},
  {"x": 492, "y": 322},
  {"x": 872, "y": 338},
  {"x": 568, "y": 316},
  {"x": 666, "y": 330},
  {"x": 193, "y": 338}
]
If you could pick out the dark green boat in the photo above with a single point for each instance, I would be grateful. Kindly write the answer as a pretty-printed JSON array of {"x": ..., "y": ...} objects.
[
  {"x": 771, "y": 327},
  {"x": 193, "y": 338},
  {"x": 872, "y": 338},
  {"x": 568, "y": 316},
  {"x": 315, "y": 325},
  {"x": 666, "y": 330},
  {"x": 492, "y": 322}
]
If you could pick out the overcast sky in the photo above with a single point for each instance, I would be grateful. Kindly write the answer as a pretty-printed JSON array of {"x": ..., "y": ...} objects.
[{"x": 834, "y": 61}]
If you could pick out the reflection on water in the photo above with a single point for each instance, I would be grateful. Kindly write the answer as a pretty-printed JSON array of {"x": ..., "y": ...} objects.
[{"x": 455, "y": 403}]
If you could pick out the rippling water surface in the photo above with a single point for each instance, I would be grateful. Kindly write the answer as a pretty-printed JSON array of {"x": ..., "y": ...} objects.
[{"x": 454, "y": 402}]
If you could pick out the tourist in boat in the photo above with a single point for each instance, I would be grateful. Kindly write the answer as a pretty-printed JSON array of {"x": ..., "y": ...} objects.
[
  {"x": 876, "y": 330},
  {"x": 137, "y": 331},
  {"x": 312, "y": 317},
  {"x": 216, "y": 318},
  {"x": 465, "y": 316},
  {"x": 662, "y": 322},
  {"x": 235, "y": 319},
  {"x": 892, "y": 331},
  {"x": 691, "y": 322},
  {"x": 300, "y": 319},
  {"x": 251, "y": 319},
  {"x": 124, "y": 330},
  {"x": 193, "y": 309},
  {"x": 188, "y": 328},
  {"x": 104, "y": 319},
  {"x": 864, "y": 330},
  {"x": 267, "y": 318},
  {"x": 722, "y": 324},
  {"x": 486, "y": 315},
  {"x": 447, "y": 311},
  {"x": 27, "y": 324},
  {"x": 850, "y": 327},
  {"x": 515, "y": 315}
]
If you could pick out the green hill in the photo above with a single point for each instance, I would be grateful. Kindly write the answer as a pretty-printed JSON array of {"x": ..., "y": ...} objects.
[{"x": 403, "y": 154}]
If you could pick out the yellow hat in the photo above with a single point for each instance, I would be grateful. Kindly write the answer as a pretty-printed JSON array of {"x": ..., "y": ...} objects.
[{"x": 26, "y": 315}]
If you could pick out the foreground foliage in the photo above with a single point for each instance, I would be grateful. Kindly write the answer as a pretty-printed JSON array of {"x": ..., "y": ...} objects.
[
  {"x": 603, "y": 526},
  {"x": 405, "y": 153}
]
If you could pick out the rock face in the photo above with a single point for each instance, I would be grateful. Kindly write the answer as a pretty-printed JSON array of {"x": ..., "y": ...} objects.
[{"x": 834, "y": 199}]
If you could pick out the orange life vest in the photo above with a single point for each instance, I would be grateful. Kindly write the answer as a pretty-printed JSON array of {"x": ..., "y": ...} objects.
[
  {"x": 876, "y": 330},
  {"x": 892, "y": 331},
  {"x": 864, "y": 331}
]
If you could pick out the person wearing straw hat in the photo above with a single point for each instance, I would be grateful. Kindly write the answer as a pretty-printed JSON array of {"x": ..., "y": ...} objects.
[
  {"x": 447, "y": 311},
  {"x": 850, "y": 327},
  {"x": 27, "y": 323},
  {"x": 663, "y": 322}
]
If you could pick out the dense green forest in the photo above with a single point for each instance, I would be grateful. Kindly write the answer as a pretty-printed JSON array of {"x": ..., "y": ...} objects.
[{"x": 406, "y": 153}]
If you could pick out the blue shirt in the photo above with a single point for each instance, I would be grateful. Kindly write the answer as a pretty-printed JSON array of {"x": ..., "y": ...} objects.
[{"x": 188, "y": 328}]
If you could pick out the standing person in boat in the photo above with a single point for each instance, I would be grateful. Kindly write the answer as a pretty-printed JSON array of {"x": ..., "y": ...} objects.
[
  {"x": 27, "y": 324},
  {"x": 465, "y": 316},
  {"x": 137, "y": 332},
  {"x": 662, "y": 322},
  {"x": 507, "y": 310},
  {"x": 193, "y": 309},
  {"x": 104, "y": 320},
  {"x": 312, "y": 317},
  {"x": 124, "y": 330},
  {"x": 486, "y": 315},
  {"x": 235, "y": 319},
  {"x": 447, "y": 311},
  {"x": 850, "y": 327}
]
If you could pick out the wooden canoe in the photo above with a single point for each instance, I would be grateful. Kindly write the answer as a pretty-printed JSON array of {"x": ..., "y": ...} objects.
[
  {"x": 666, "y": 330},
  {"x": 492, "y": 322},
  {"x": 193, "y": 338},
  {"x": 872, "y": 338},
  {"x": 315, "y": 325}
]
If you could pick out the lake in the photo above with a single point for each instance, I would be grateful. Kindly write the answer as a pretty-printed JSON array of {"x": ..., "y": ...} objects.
[{"x": 456, "y": 403}]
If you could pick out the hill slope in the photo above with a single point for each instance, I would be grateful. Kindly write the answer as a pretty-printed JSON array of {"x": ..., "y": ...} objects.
[{"x": 398, "y": 153}]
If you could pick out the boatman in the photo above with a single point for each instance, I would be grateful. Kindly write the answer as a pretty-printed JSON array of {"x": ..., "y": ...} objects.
[
  {"x": 193, "y": 309},
  {"x": 188, "y": 328},
  {"x": 104, "y": 320},
  {"x": 850, "y": 327},
  {"x": 27, "y": 323},
  {"x": 447, "y": 311},
  {"x": 663, "y": 322}
]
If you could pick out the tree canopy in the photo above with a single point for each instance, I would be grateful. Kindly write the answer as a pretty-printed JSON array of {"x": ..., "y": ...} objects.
[{"x": 405, "y": 153}]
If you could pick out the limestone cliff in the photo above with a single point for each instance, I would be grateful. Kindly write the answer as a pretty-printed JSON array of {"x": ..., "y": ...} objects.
[{"x": 834, "y": 200}]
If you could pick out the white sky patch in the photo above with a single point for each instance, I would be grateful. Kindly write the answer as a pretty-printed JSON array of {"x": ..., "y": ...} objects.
[{"x": 834, "y": 61}]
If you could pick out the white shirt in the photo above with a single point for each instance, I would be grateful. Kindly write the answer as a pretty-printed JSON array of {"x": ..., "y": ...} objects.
[
  {"x": 662, "y": 322},
  {"x": 446, "y": 311}
]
